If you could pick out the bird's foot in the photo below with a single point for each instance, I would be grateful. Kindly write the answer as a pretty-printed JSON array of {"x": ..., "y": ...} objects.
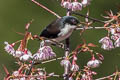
[
  {"x": 61, "y": 45},
  {"x": 67, "y": 49},
  {"x": 42, "y": 38}
]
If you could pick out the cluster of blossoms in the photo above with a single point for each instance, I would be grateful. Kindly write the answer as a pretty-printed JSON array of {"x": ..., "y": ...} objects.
[
  {"x": 23, "y": 54},
  {"x": 107, "y": 42},
  {"x": 75, "y": 69},
  {"x": 43, "y": 53},
  {"x": 113, "y": 33},
  {"x": 46, "y": 52},
  {"x": 87, "y": 74},
  {"x": 75, "y": 5},
  {"x": 20, "y": 74}
]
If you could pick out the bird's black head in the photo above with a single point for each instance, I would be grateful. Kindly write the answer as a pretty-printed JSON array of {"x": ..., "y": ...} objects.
[{"x": 70, "y": 20}]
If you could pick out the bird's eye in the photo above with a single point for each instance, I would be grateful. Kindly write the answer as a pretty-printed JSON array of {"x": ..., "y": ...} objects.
[{"x": 73, "y": 21}]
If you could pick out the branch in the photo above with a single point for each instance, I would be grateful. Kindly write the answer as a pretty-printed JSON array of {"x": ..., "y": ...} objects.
[
  {"x": 46, "y": 8},
  {"x": 106, "y": 77},
  {"x": 48, "y": 61},
  {"x": 38, "y": 76},
  {"x": 93, "y": 28},
  {"x": 91, "y": 18}
]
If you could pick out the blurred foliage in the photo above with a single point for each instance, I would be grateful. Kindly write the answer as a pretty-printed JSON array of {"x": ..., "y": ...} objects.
[{"x": 14, "y": 14}]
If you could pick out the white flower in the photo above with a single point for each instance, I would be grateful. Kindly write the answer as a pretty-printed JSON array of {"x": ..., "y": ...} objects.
[
  {"x": 65, "y": 62},
  {"x": 113, "y": 30},
  {"x": 29, "y": 53},
  {"x": 94, "y": 63},
  {"x": 44, "y": 53},
  {"x": 103, "y": 40},
  {"x": 117, "y": 43},
  {"x": 118, "y": 29},
  {"x": 66, "y": 4},
  {"x": 74, "y": 67},
  {"x": 32, "y": 78},
  {"x": 84, "y": 77},
  {"x": 36, "y": 56},
  {"x": 9, "y": 48},
  {"x": 115, "y": 36},
  {"x": 18, "y": 53},
  {"x": 76, "y": 6},
  {"x": 107, "y": 44},
  {"x": 15, "y": 73},
  {"x": 23, "y": 78},
  {"x": 85, "y": 2},
  {"x": 70, "y": 78},
  {"x": 25, "y": 57}
]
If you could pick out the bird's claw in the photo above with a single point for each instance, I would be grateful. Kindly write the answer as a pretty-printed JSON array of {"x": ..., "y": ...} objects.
[
  {"x": 67, "y": 49},
  {"x": 61, "y": 45}
]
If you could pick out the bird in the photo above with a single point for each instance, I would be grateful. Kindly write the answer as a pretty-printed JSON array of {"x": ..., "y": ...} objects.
[
  {"x": 57, "y": 31},
  {"x": 60, "y": 29}
]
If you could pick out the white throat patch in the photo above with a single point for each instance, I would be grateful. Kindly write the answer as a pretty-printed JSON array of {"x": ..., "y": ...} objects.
[{"x": 66, "y": 29}]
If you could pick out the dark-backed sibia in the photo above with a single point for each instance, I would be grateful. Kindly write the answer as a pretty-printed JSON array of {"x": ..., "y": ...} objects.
[{"x": 60, "y": 29}]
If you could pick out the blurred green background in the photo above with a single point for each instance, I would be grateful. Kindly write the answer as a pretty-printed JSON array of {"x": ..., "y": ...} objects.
[{"x": 14, "y": 14}]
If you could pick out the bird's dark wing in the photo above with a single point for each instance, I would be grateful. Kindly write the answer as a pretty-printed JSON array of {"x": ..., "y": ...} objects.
[{"x": 52, "y": 30}]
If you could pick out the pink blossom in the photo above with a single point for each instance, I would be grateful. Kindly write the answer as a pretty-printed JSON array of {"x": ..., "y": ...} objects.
[
  {"x": 74, "y": 67},
  {"x": 41, "y": 74},
  {"x": 85, "y": 2},
  {"x": 15, "y": 73},
  {"x": 113, "y": 30},
  {"x": 9, "y": 48},
  {"x": 115, "y": 36},
  {"x": 86, "y": 77},
  {"x": 100, "y": 56},
  {"x": 118, "y": 29},
  {"x": 117, "y": 43},
  {"x": 76, "y": 6},
  {"x": 71, "y": 78},
  {"x": 65, "y": 62},
  {"x": 44, "y": 53},
  {"x": 18, "y": 53},
  {"x": 66, "y": 4},
  {"x": 107, "y": 44},
  {"x": 94, "y": 63},
  {"x": 27, "y": 52},
  {"x": 25, "y": 57}
]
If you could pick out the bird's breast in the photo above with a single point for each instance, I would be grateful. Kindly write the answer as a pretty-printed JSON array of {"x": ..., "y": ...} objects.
[
  {"x": 65, "y": 32},
  {"x": 67, "y": 28},
  {"x": 63, "y": 37}
]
